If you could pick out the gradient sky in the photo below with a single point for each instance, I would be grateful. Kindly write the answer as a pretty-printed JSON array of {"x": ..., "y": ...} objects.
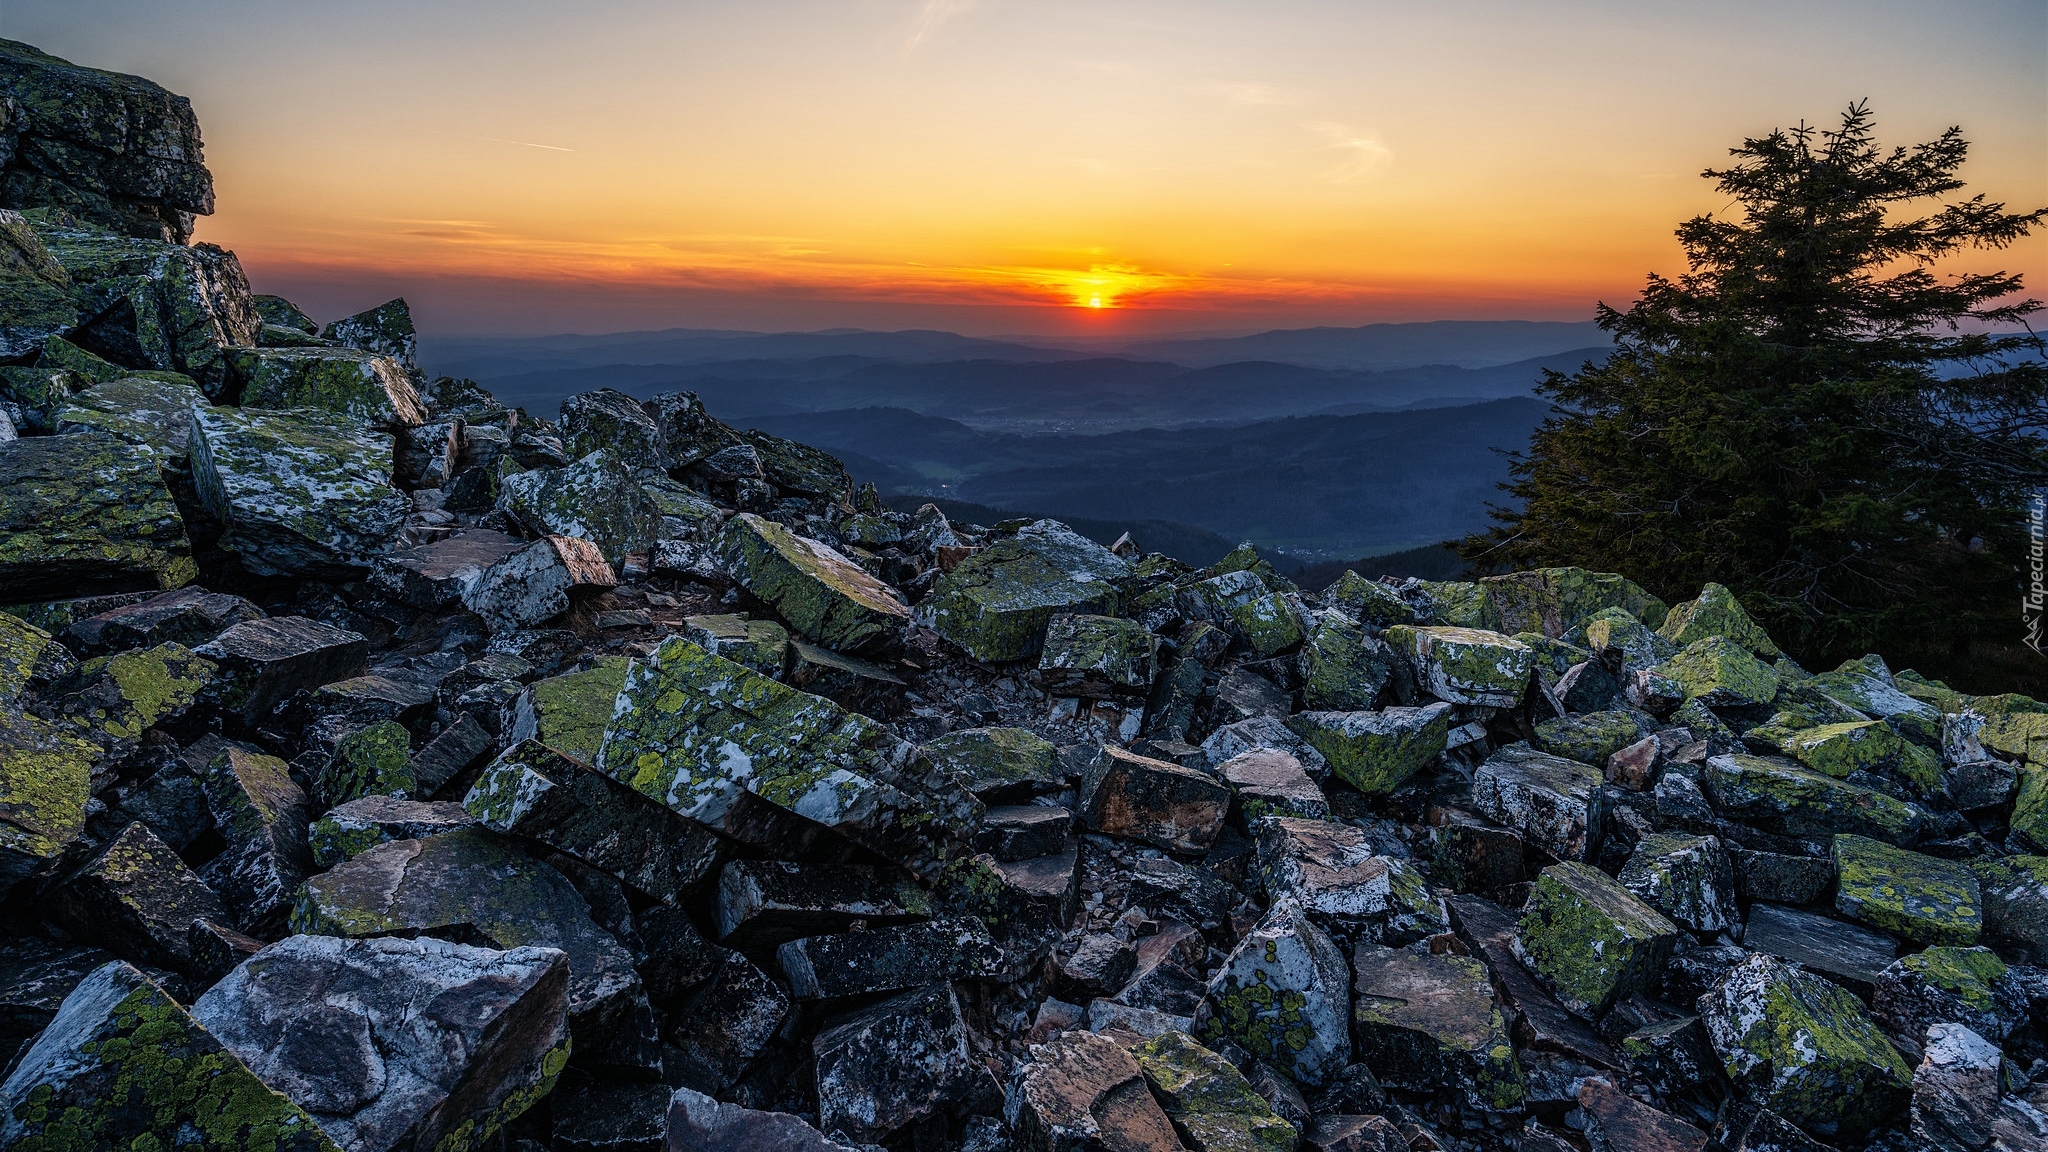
[{"x": 994, "y": 166}]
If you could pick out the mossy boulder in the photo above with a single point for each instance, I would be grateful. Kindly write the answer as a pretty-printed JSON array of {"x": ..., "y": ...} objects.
[
  {"x": 1368, "y": 601},
  {"x": 595, "y": 498},
  {"x": 1616, "y": 634},
  {"x": 1376, "y": 752},
  {"x": 1283, "y": 996},
  {"x": 360, "y": 386},
  {"x": 609, "y": 419},
  {"x": 1428, "y": 1023},
  {"x": 1779, "y": 796},
  {"x": 2029, "y": 822},
  {"x": 1687, "y": 878},
  {"x": 569, "y": 712},
  {"x": 351, "y": 829},
  {"x": 1342, "y": 668},
  {"x": 1842, "y": 750},
  {"x": 87, "y": 513},
  {"x": 1208, "y": 1100},
  {"x": 1096, "y": 656},
  {"x": 45, "y": 780},
  {"x": 1591, "y": 737},
  {"x": 995, "y": 605},
  {"x": 820, "y": 593},
  {"x": 1721, "y": 673},
  {"x": 25, "y": 651},
  {"x": 1591, "y": 940},
  {"x": 1269, "y": 624},
  {"x": 1923, "y": 898},
  {"x": 1465, "y": 665},
  {"x": 156, "y": 414},
  {"x": 295, "y": 493},
  {"x": 1553, "y": 601},
  {"x": 115, "y": 699},
  {"x": 1454, "y": 604},
  {"x": 1867, "y": 685},
  {"x": 1968, "y": 986},
  {"x": 124, "y": 1066},
  {"x": 700, "y": 733},
  {"x": 2015, "y": 891},
  {"x": 762, "y": 645},
  {"x": 261, "y": 814},
  {"x": 998, "y": 761},
  {"x": 1716, "y": 612},
  {"x": 1805, "y": 1049},
  {"x": 374, "y": 760},
  {"x": 35, "y": 291}
]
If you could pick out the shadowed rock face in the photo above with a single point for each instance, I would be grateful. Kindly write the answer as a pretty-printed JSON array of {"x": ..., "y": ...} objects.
[{"x": 451, "y": 760}]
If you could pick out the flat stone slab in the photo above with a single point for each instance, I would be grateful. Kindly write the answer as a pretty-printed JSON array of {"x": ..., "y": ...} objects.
[
  {"x": 1556, "y": 804},
  {"x": 1428, "y": 1022},
  {"x": 1922, "y": 898},
  {"x": 1846, "y": 953},
  {"x": 1786, "y": 798},
  {"x": 296, "y": 495},
  {"x": 819, "y": 592}
]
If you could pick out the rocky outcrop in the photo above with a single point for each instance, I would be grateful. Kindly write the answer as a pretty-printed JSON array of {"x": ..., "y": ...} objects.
[{"x": 631, "y": 780}]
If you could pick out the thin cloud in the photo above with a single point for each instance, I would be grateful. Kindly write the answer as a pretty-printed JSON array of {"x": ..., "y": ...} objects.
[
  {"x": 1258, "y": 95},
  {"x": 934, "y": 14},
  {"x": 1362, "y": 153}
]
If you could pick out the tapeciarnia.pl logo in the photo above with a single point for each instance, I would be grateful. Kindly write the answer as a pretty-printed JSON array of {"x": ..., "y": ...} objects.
[{"x": 2036, "y": 599}]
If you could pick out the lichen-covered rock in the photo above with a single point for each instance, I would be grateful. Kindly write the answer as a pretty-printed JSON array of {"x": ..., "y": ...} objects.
[
  {"x": 360, "y": 386},
  {"x": 27, "y": 653},
  {"x": 1922, "y": 898},
  {"x": 2015, "y": 891},
  {"x": 86, "y": 513},
  {"x": 1782, "y": 797},
  {"x": 1269, "y": 782},
  {"x": 610, "y": 419},
  {"x": 115, "y": 699},
  {"x": 534, "y": 792},
  {"x": 1592, "y": 737},
  {"x": 533, "y": 585},
  {"x": 698, "y": 733},
  {"x": 394, "y": 1043},
  {"x": 386, "y": 330},
  {"x": 151, "y": 412},
  {"x": 351, "y": 829},
  {"x": 1592, "y": 940},
  {"x": 1465, "y": 665},
  {"x": 1557, "y": 804},
  {"x": 1804, "y": 1048},
  {"x": 1615, "y": 635},
  {"x": 762, "y": 645},
  {"x": 261, "y": 814},
  {"x": 1283, "y": 996},
  {"x": 1343, "y": 669},
  {"x": 1368, "y": 601},
  {"x": 1124, "y": 794},
  {"x": 1376, "y": 752},
  {"x": 137, "y": 899},
  {"x": 1332, "y": 870},
  {"x": 568, "y": 713},
  {"x": 1429, "y": 1023},
  {"x": 35, "y": 291},
  {"x": 1209, "y": 1101},
  {"x": 888, "y": 959},
  {"x": 1687, "y": 878},
  {"x": 295, "y": 494},
  {"x": 996, "y": 604},
  {"x": 595, "y": 499},
  {"x": 122, "y": 1066},
  {"x": 45, "y": 782},
  {"x": 1716, "y": 613},
  {"x": 1096, "y": 656},
  {"x": 1082, "y": 1090},
  {"x": 473, "y": 880},
  {"x": 188, "y": 615},
  {"x": 998, "y": 762},
  {"x": 1840, "y": 750},
  {"x": 374, "y": 760},
  {"x": 819, "y": 592},
  {"x": 1721, "y": 673},
  {"x": 1956, "y": 1092},
  {"x": 1967, "y": 985},
  {"x": 886, "y": 1067},
  {"x": 700, "y": 1123},
  {"x": 261, "y": 663},
  {"x": 721, "y": 1029},
  {"x": 1553, "y": 601}
]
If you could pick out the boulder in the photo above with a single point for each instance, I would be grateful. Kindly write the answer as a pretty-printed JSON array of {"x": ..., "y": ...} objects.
[
  {"x": 386, "y": 330},
  {"x": 1124, "y": 794},
  {"x": 358, "y": 386},
  {"x": 1779, "y": 796},
  {"x": 1342, "y": 668},
  {"x": 152, "y": 307},
  {"x": 609, "y": 419},
  {"x": 151, "y": 412},
  {"x": 820, "y": 593},
  {"x": 1283, "y": 995},
  {"x": 1022, "y": 831},
  {"x": 698, "y": 733},
  {"x": 1716, "y": 612},
  {"x": 1210, "y": 1103},
  {"x": 535, "y": 793},
  {"x": 472, "y": 881},
  {"x": 1922, "y": 898},
  {"x": 1805, "y": 1049},
  {"x": 1842, "y": 750},
  {"x": 1618, "y": 1122},
  {"x": 1333, "y": 871},
  {"x": 995, "y": 605},
  {"x": 1368, "y": 601},
  {"x": 1554, "y": 601},
  {"x": 348, "y": 830},
  {"x": 35, "y": 290},
  {"x": 114, "y": 700},
  {"x": 1081, "y": 1090},
  {"x": 568, "y": 713},
  {"x": 397, "y": 1044},
  {"x": 1592, "y": 737},
  {"x": 762, "y": 903},
  {"x": 440, "y": 572},
  {"x": 1429, "y": 1023},
  {"x": 595, "y": 498},
  {"x": 261, "y": 814},
  {"x": 86, "y": 513},
  {"x": 721, "y": 1029},
  {"x": 1556, "y": 804},
  {"x": 1096, "y": 656},
  {"x": 997, "y": 763},
  {"x": 122, "y": 1065},
  {"x": 187, "y": 616},
  {"x": 45, "y": 784},
  {"x": 532, "y": 585},
  {"x": 1464, "y": 665},
  {"x": 1956, "y": 1091},
  {"x": 295, "y": 494},
  {"x": 762, "y": 645},
  {"x": 374, "y": 760},
  {"x": 1966, "y": 985},
  {"x": 850, "y": 964},
  {"x": 1721, "y": 673},
  {"x": 261, "y": 663},
  {"x": 2015, "y": 891},
  {"x": 1851, "y": 956},
  {"x": 699, "y": 1123},
  {"x": 1269, "y": 782},
  {"x": 137, "y": 899},
  {"x": 889, "y": 1066},
  {"x": 1376, "y": 752},
  {"x": 1687, "y": 878},
  {"x": 1593, "y": 942}
]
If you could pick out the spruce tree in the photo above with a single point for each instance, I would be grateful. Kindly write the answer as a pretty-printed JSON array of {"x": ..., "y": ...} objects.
[{"x": 1812, "y": 414}]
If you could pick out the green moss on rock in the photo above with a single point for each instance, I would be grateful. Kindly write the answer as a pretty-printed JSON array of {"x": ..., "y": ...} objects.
[
  {"x": 1209, "y": 1100},
  {"x": 570, "y": 711},
  {"x": 1553, "y": 601},
  {"x": 820, "y": 593},
  {"x": 1922, "y": 898},
  {"x": 1716, "y": 613},
  {"x": 1465, "y": 665},
  {"x": 375, "y": 760},
  {"x": 1590, "y": 737},
  {"x": 87, "y": 512},
  {"x": 1376, "y": 752},
  {"x": 1721, "y": 673},
  {"x": 1592, "y": 940}
]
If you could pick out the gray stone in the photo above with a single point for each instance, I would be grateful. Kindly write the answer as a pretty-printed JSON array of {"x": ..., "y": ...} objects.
[
  {"x": 262, "y": 815},
  {"x": 1687, "y": 878},
  {"x": 296, "y": 494},
  {"x": 1332, "y": 870},
  {"x": 1081, "y": 1091},
  {"x": 1283, "y": 995},
  {"x": 1845, "y": 953},
  {"x": 1125, "y": 794},
  {"x": 1556, "y": 804},
  {"x": 264, "y": 662},
  {"x": 889, "y": 1066},
  {"x": 888, "y": 959},
  {"x": 136, "y": 899},
  {"x": 699, "y": 1123},
  {"x": 440, "y": 572},
  {"x": 533, "y": 585}
]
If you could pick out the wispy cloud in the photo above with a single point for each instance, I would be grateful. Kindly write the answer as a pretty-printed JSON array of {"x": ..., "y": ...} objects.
[
  {"x": 931, "y": 16},
  {"x": 1258, "y": 95},
  {"x": 1362, "y": 153}
]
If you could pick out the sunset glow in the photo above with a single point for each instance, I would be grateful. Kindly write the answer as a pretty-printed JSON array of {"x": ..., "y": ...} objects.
[{"x": 1001, "y": 166}]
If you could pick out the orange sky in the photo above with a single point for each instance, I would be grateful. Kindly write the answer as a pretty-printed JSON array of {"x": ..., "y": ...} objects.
[{"x": 999, "y": 166}]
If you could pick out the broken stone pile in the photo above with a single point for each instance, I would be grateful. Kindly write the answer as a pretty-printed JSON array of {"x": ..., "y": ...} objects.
[{"x": 384, "y": 768}]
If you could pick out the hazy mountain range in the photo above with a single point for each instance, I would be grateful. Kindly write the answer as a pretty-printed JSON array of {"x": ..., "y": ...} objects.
[{"x": 1328, "y": 443}]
